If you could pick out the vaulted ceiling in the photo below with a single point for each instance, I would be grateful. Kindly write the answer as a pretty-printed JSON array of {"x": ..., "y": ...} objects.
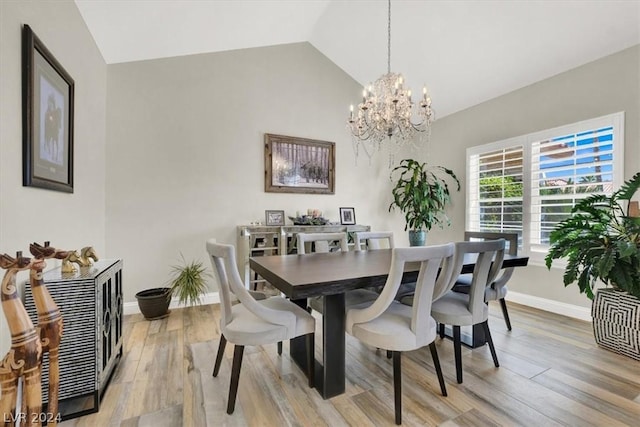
[{"x": 465, "y": 51}]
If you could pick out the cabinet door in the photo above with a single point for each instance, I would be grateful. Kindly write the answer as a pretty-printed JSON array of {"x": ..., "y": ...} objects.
[{"x": 109, "y": 286}]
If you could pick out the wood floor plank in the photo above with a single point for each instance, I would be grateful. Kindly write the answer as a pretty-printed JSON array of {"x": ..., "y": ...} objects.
[
  {"x": 552, "y": 373},
  {"x": 609, "y": 403},
  {"x": 471, "y": 418}
]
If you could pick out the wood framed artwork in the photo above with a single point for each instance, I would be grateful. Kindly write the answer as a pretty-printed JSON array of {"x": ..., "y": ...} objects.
[
  {"x": 274, "y": 217},
  {"x": 47, "y": 118},
  {"x": 347, "y": 216},
  {"x": 298, "y": 165}
]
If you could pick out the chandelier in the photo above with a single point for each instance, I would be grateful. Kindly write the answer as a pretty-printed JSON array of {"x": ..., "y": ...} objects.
[{"x": 386, "y": 113}]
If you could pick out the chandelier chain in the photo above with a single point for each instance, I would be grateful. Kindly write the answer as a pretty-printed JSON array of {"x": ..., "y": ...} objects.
[{"x": 389, "y": 39}]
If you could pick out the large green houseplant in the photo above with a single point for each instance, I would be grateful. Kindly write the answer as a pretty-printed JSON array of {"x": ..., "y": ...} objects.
[
  {"x": 422, "y": 194},
  {"x": 187, "y": 283},
  {"x": 601, "y": 244}
]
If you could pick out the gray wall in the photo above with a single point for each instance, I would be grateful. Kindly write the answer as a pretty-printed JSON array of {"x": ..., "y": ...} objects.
[
  {"x": 606, "y": 86},
  {"x": 175, "y": 155},
  {"x": 185, "y": 152},
  {"x": 29, "y": 214}
]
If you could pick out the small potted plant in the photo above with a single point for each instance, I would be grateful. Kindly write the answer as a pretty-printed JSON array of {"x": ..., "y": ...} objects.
[
  {"x": 187, "y": 283},
  {"x": 422, "y": 194},
  {"x": 601, "y": 244}
]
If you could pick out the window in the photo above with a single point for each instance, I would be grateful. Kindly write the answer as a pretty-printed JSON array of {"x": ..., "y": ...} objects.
[{"x": 530, "y": 183}]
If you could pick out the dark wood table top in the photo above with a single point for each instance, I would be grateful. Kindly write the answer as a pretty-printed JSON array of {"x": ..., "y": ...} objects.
[{"x": 304, "y": 276}]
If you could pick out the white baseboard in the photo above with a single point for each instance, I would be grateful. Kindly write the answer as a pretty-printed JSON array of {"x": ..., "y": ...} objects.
[
  {"x": 569, "y": 310},
  {"x": 132, "y": 307}
]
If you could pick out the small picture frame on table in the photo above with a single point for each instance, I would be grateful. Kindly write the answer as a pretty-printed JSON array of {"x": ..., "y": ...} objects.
[
  {"x": 347, "y": 216},
  {"x": 274, "y": 217}
]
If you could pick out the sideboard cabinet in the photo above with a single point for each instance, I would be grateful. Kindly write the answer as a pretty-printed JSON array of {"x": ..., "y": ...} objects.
[
  {"x": 258, "y": 240},
  {"x": 90, "y": 301}
]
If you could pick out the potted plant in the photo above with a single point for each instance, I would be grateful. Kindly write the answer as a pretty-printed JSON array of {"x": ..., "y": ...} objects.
[
  {"x": 601, "y": 244},
  {"x": 422, "y": 194},
  {"x": 187, "y": 282}
]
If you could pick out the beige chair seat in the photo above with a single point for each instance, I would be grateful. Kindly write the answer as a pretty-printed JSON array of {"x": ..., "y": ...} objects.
[
  {"x": 392, "y": 330},
  {"x": 249, "y": 329},
  {"x": 453, "y": 308}
]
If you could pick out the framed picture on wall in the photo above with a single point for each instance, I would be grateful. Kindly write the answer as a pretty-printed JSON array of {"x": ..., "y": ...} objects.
[
  {"x": 274, "y": 217},
  {"x": 347, "y": 216},
  {"x": 298, "y": 165},
  {"x": 47, "y": 118}
]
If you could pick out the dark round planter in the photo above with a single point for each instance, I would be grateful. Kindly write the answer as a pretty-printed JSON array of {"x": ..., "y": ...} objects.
[
  {"x": 417, "y": 237},
  {"x": 154, "y": 303}
]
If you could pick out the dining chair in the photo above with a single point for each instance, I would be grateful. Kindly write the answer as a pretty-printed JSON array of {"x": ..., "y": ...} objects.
[
  {"x": 458, "y": 309},
  {"x": 367, "y": 240},
  {"x": 498, "y": 289},
  {"x": 322, "y": 243},
  {"x": 254, "y": 322},
  {"x": 390, "y": 325}
]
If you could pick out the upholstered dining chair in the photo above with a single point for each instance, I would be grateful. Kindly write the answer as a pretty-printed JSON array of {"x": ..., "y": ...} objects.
[
  {"x": 367, "y": 240},
  {"x": 322, "y": 243},
  {"x": 458, "y": 309},
  {"x": 254, "y": 322},
  {"x": 390, "y": 325},
  {"x": 498, "y": 288}
]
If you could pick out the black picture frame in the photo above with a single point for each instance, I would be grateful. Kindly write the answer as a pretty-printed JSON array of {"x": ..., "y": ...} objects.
[
  {"x": 347, "y": 216},
  {"x": 273, "y": 217},
  {"x": 298, "y": 165},
  {"x": 47, "y": 118}
]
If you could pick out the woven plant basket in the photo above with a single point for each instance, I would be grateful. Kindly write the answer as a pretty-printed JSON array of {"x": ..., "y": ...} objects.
[{"x": 616, "y": 322}]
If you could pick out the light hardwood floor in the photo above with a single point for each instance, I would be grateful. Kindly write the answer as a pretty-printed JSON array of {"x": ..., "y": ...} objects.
[{"x": 551, "y": 373}]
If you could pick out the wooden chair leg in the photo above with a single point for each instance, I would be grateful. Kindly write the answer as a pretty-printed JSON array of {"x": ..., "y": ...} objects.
[
  {"x": 436, "y": 364},
  {"x": 441, "y": 330},
  {"x": 487, "y": 334},
  {"x": 457, "y": 349},
  {"x": 397, "y": 385},
  {"x": 235, "y": 378},
  {"x": 311, "y": 359},
  {"x": 279, "y": 348},
  {"x": 221, "y": 346},
  {"x": 505, "y": 313}
]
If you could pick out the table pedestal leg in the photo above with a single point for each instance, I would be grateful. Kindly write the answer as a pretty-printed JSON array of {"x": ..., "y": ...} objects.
[
  {"x": 330, "y": 374},
  {"x": 333, "y": 345},
  {"x": 475, "y": 340}
]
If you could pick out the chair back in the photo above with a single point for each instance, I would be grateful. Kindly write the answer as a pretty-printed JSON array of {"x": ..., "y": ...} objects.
[
  {"x": 512, "y": 239},
  {"x": 433, "y": 260},
  {"x": 223, "y": 259},
  {"x": 488, "y": 264},
  {"x": 322, "y": 241},
  {"x": 371, "y": 240}
]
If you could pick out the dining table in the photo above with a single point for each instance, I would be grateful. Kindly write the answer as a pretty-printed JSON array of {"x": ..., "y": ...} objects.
[{"x": 330, "y": 275}]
